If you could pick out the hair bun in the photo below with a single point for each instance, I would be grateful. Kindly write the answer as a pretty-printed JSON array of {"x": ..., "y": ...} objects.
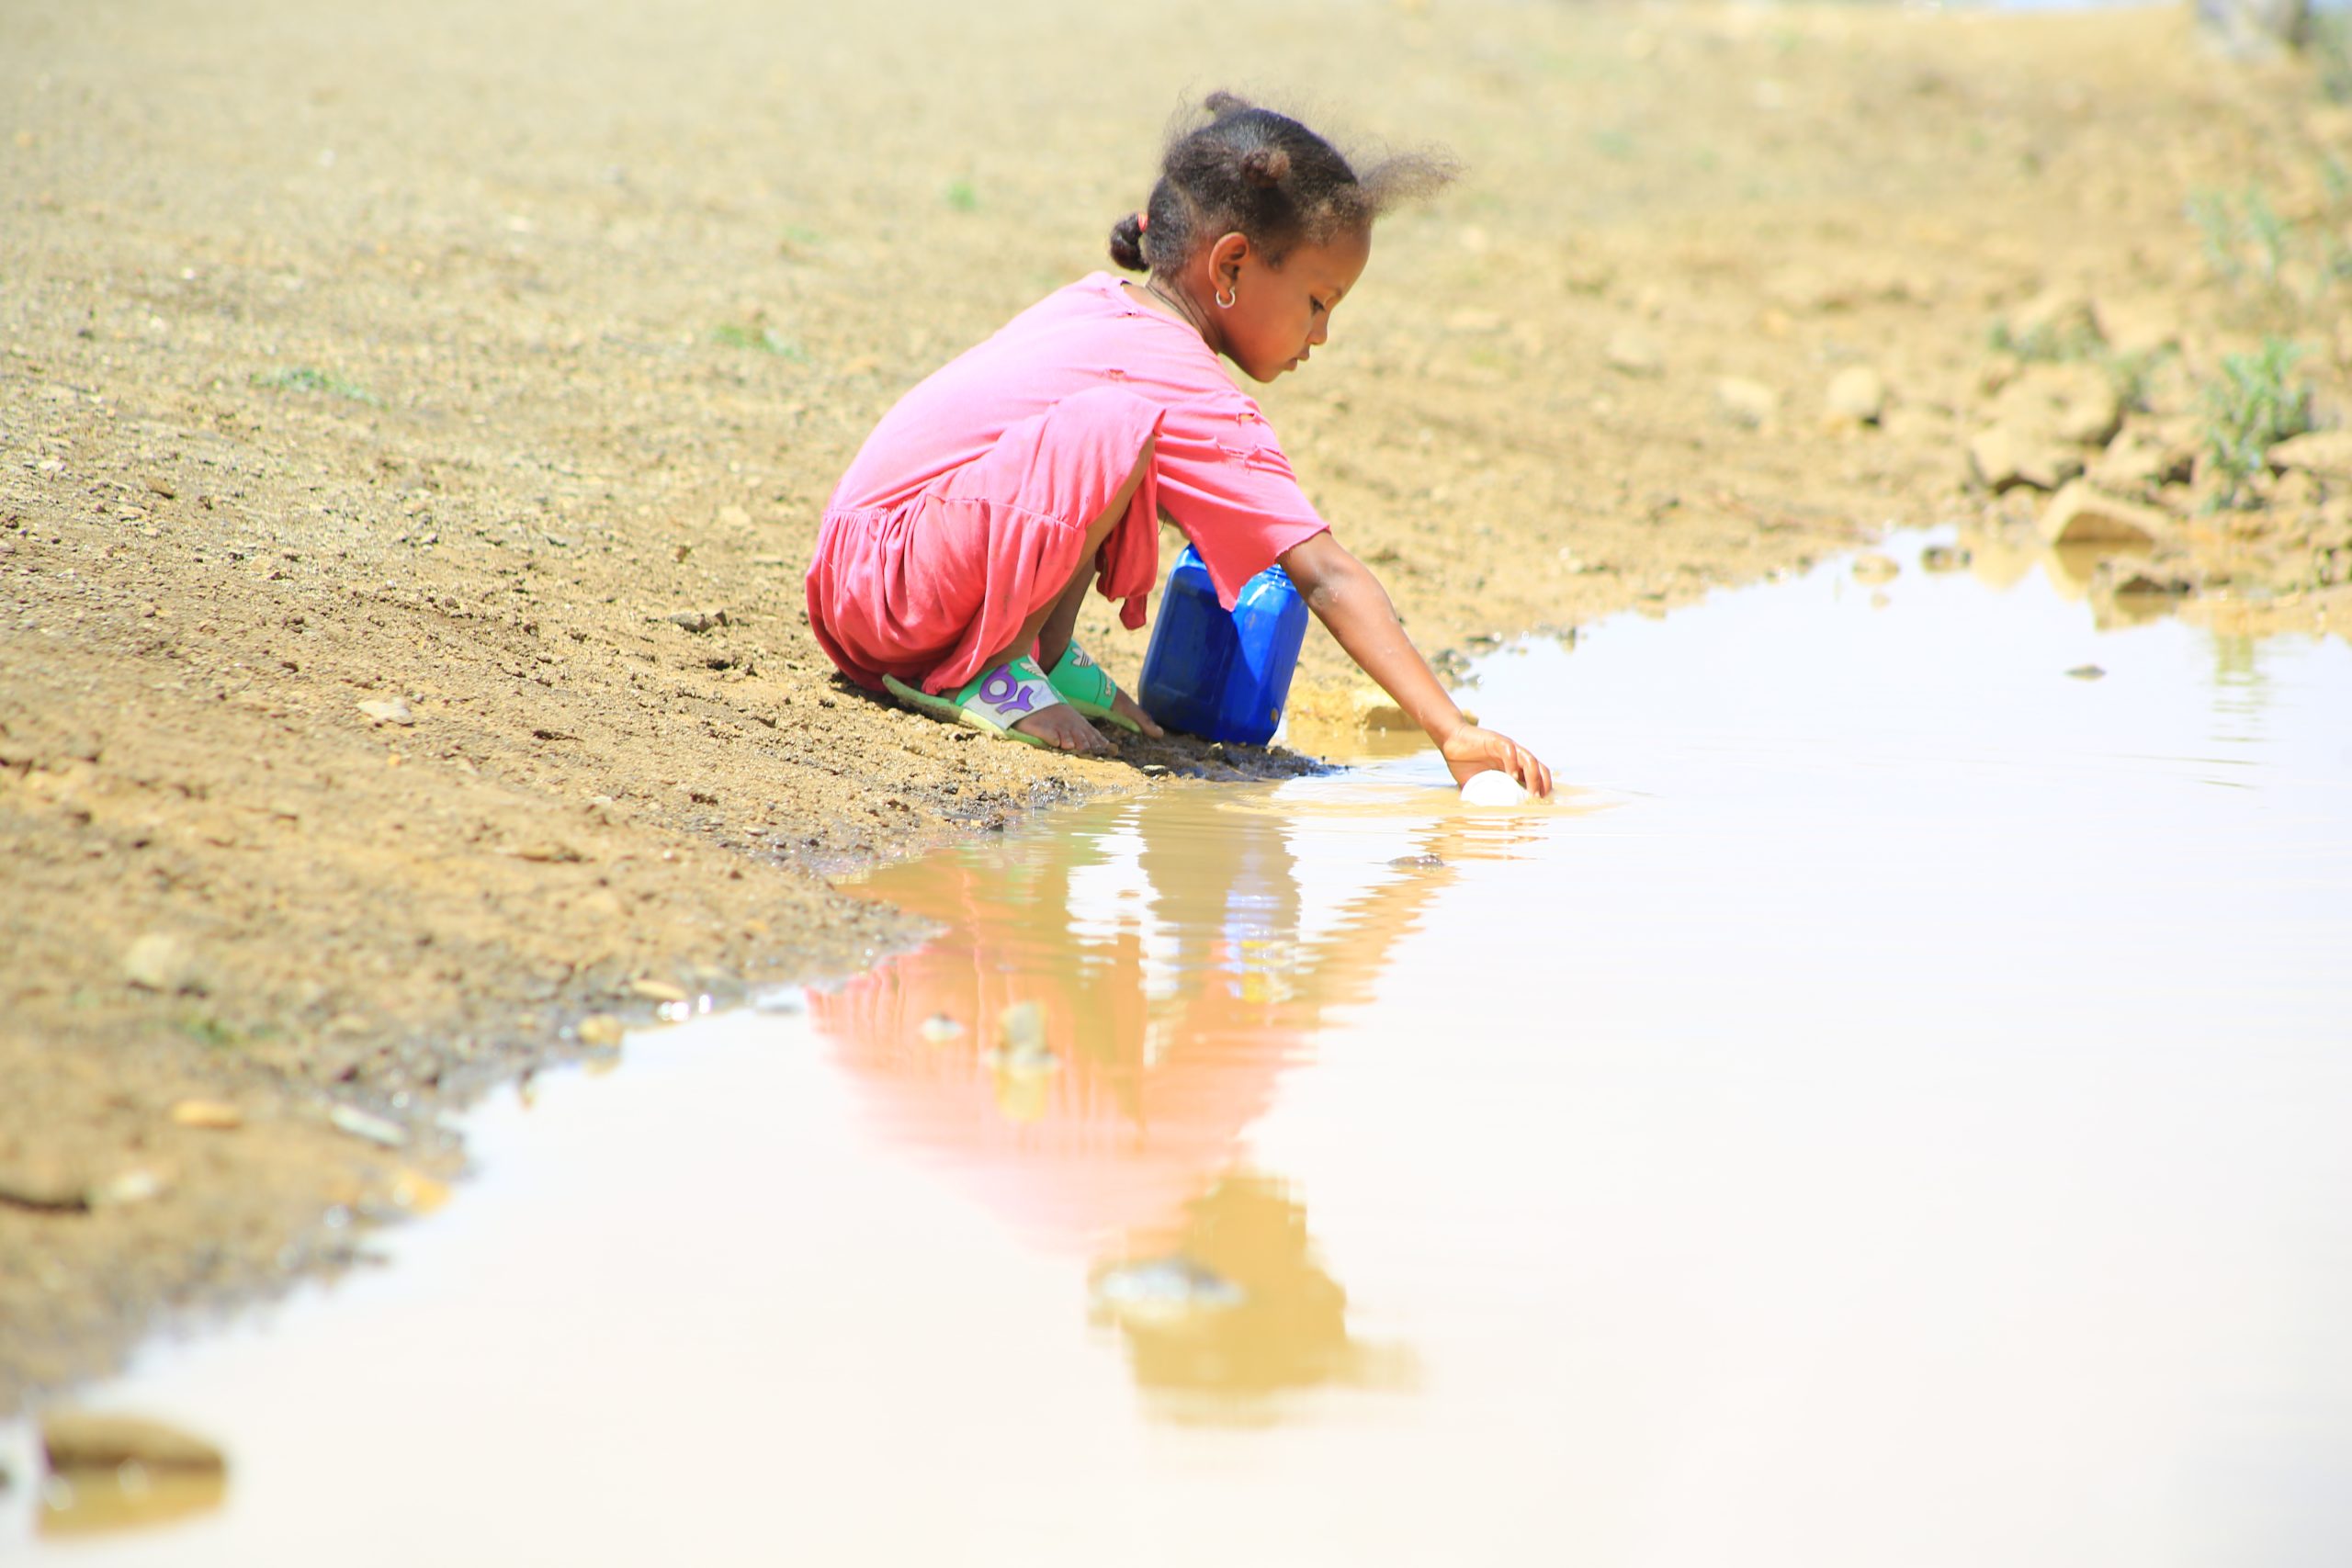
[
  {"x": 1126, "y": 243},
  {"x": 1265, "y": 166}
]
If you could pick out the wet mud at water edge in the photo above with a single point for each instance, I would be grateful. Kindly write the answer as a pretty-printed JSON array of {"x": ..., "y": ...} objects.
[{"x": 1890, "y": 1110}]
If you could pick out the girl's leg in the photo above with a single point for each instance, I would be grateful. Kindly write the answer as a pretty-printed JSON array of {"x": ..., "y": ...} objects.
[
  {"x": 1053, "y": 635},
  {"x": 1062, "y": 725}
]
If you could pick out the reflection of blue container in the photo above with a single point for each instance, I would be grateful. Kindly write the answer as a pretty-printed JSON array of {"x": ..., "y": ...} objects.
[{"x": 1222, "y": 676}]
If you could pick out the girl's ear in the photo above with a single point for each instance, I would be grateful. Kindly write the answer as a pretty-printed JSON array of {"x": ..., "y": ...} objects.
[{"x": 1226, "y": 257}]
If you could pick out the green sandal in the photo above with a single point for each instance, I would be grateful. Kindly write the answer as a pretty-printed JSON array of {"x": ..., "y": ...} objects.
[
  {"x": 1088, "y": 687},
  {"x": 992, "y": 702}
]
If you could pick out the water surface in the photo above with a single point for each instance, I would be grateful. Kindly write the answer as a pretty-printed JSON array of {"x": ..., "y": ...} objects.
[{"x": 1892, "y": 1110}]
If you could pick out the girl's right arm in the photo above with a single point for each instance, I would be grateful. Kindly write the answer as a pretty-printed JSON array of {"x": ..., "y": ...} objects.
[{"x": 1346, "y": 597}]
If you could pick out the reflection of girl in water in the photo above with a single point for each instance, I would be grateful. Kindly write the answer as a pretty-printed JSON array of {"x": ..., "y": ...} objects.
[
  {"x": 1142, "y": 1046},
  {"x": 1240, "y": 1309}
]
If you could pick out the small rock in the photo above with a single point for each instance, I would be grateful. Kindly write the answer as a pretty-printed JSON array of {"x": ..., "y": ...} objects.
[
  {"x": 1161, "y": 1293},
  {"x": 2070, "y": 402},
  {"x": 120, "y": 1191},
  {"x": 544, "y": 851},
  {"x": 939, "y": 1029},
  {"x": 389, "y": 710},
  {"x": 213, "y": 1115},
  {"x": 2002, "y": 460},
  {"x": 2055, "y": 320},
  {"x": 1859, "y": 393},
  {"x": 1493, "y": 787},
  {"x": 601, "y": 1028},
  {"x": 1877, "y": 569},
  {"x": 2326, "y": 453},
  {"x": 1997, "y": 460},
  {"x": 2079, "y": 514},
  {"x": 2087, "y": 672},
  {"x": 366, "y": 1125},
  {"x": 2137, "y": 460},
  {"x": 657, "y": 991},
  {"x": 1746, "y": 402},
  {"x": 1944, "y": 558},
  {"x": 1635, "y": 352},
  {"x": 81, "y": 1440},
  {"x": 160, "y": 962},
  {"x": 2125, "y": 580}
]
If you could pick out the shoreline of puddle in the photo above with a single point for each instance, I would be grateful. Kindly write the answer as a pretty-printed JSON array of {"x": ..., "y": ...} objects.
[{"x": 1178, "y": 1111}]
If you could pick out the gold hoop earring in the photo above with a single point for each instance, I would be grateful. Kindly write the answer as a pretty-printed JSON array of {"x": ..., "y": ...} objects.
[{"x": 1226, "y": 297}]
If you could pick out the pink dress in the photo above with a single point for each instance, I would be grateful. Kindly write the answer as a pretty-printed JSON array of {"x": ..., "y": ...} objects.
[{"x": 966, "y": 510}]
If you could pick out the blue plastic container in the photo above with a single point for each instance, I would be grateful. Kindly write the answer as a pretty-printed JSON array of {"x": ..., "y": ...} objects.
[{"x": 1223, "y": 677}]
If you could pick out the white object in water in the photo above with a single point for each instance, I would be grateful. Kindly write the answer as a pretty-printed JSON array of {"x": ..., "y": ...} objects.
[{"x": 1493, "y": 788}]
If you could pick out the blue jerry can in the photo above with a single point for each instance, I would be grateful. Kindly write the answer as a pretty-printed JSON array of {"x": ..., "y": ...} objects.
[{"x": 1223, "y": 677}]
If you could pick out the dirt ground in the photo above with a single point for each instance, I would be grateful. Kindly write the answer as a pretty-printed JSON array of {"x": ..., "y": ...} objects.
[{"x": 414, "y": 421}]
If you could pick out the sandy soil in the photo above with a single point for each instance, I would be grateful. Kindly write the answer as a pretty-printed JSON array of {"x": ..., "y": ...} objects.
[{"x": 412, "y": 422}]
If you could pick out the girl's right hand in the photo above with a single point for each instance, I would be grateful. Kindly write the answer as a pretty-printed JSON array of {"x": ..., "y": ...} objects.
[{"x": 1471, "y": 750}]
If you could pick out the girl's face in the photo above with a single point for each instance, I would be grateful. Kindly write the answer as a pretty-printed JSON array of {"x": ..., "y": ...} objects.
[{"x": 1280, "y": 314}]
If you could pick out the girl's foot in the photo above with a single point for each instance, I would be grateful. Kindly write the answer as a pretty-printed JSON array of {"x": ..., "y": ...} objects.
[
  {"x": 1014, "y": 700},
  {"x": 1062, "y": 729},
  {"x": 1088, "y": 687}
]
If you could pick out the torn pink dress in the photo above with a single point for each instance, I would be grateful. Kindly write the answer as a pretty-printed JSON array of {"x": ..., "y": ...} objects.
[{"x": 966, "y": 510}]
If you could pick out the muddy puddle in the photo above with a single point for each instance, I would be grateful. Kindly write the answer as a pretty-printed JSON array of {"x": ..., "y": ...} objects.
[{"x": 1892, "y": 1110}]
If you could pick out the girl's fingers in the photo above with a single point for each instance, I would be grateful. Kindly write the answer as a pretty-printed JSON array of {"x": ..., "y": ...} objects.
[
  {"x": 1528, "y": 769},
  {"x": 1485, "y": 749}
]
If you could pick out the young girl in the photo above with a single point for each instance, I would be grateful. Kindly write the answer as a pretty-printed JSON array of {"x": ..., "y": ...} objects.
[{"x": 955, "y": 552}]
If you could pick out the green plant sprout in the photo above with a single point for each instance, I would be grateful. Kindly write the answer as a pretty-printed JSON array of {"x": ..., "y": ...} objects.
[
  {"x": 2331, "y": 46},
  {"x": 763, "y": 338},
  {"x": 2254, "y": 406},
  {"x": 2209, "y": 210},
  {"x": 303, "y": 379},
  {"x": 2263, "y": 225}
]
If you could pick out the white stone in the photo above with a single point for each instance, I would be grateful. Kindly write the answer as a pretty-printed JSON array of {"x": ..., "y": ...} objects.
[{"x": 1493, "y": 788}]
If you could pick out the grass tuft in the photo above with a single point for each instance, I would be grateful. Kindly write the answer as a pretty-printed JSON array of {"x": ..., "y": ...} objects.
[
  {"x": 303, "y": 379},
  {"x": 763, "y": 340},
  {"x": 2255, "y": 404}
]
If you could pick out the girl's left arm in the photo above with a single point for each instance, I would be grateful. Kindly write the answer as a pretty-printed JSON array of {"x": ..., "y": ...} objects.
[{"x": 1347, "y": 598}]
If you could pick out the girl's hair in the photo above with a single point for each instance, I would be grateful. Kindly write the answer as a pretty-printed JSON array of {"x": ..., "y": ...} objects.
[{"x": 1249, "y": 171}]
